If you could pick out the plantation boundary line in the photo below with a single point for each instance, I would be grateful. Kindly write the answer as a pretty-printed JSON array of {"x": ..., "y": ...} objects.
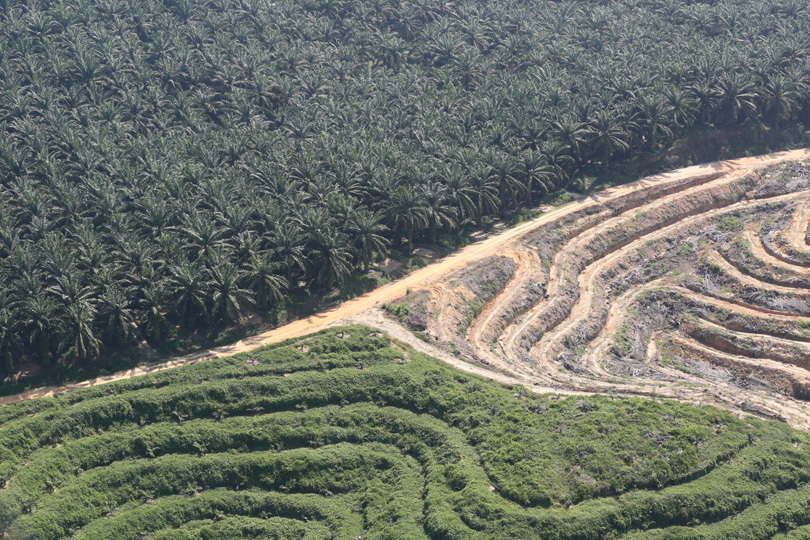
[{"x": 421, "y": 278}]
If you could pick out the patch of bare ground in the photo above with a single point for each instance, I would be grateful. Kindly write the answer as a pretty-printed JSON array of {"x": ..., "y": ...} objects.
[
  {"x": 459, "y": 299},
  {"x": 596, "y": 291},
  {"x": 740, "y": 254}
]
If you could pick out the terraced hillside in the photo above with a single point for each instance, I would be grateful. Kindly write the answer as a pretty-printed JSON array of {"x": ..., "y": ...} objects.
[
  {"x": 696, "y": 289},
  {"x": 347, "y": 435}
]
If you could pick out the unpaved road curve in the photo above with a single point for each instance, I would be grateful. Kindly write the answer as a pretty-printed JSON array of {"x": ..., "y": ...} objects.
[{"x": 424, "y": 277}]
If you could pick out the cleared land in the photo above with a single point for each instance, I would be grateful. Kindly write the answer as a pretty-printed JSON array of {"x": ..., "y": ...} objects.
[
  {"x": 694, "y": 287},
  {"x": 348, "y": 434}
]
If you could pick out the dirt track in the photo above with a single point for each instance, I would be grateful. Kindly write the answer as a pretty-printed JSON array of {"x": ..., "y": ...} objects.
[{"x": 505, "y": 352}]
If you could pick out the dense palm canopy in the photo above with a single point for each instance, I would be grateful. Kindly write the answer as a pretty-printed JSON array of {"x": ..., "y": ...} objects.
[{"x": 176, "y": 164}]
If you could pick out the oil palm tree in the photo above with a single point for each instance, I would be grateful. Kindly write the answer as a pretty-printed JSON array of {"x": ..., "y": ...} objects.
[
  {"x": 503, "y": 168},
  {"x": 40, "y": 325},
  {"x": 366, "y": 231},
  {"x": 558, "y": 162},
  {"x": 203, "y": 235},
  {"x": 572, "y": 133},
  {"x": 229, "y": 299},
  {"x": 608, "y": 136},
  {"x": 536, "y": 172},
  {"x": 485, "y": 193},
  {"x": 189, "y": 289},
  {"x": 80, "y": 340},
  {"x": 287, "y": 243},
  {"x": 407, "y": 215},
  {"x": 654, "y": 115},
  {"x": 706, "y": 97},
  {"x": 10, "y": 342},
  {"x": 262, "y": 278},
  {"x": 150, "y": 302},
  {"x": 115, "y": 316},
  {"x": 736, "y": 98},
  {"x": 682, "y": 105},
  {"x": 331, "y": 258},
  {"x": 438, "y": 209},
  {"x": 781, "y": 99}
]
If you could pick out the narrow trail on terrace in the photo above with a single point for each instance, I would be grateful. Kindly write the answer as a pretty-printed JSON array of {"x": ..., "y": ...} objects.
[
  {"x": 527, "y": 263},
  {"x": 362, "y": 309},
  {"x": 762, "y": 254},
  {"x": 797, "y": 233},
  {"x": 735, "y": 272}
]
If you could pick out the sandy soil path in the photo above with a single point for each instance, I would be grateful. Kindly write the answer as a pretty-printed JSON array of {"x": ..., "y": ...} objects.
[
  {"x": 762, "y": 254},
  {"x": 422, "y": 278},
  {"x": 797, "y": 230}
]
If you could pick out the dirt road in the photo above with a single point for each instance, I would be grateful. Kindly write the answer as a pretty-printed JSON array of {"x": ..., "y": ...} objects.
[{"x": 426, "y": 276}]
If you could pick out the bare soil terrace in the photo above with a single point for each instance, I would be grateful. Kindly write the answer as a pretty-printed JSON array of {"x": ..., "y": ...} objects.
[{"x": 694, "y": 289}]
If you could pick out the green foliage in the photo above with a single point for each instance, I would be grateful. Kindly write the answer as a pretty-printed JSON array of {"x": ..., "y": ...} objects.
[
  {"x": 686, "y": 249},
  {"x": 559, "y": 198},
  {"x": 524, "y": 214},
  {"x": 728, "y": 223},
  {"x": 346, "y": 434},
  {"x": 400, "y": 311},
  {"x": 474, "y": 309}
]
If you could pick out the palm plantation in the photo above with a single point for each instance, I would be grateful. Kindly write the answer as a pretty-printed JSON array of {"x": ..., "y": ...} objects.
[{"x": 178, "y": 166}]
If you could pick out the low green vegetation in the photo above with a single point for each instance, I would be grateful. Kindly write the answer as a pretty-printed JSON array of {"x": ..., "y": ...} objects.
[
  {"x": 346, "y": 435},
  {"x": 474, "y": 308},
  {"x": 686, "y": 249},
  {"x": 400, "y": 311},
  {"x": 728, "y": 223}
]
